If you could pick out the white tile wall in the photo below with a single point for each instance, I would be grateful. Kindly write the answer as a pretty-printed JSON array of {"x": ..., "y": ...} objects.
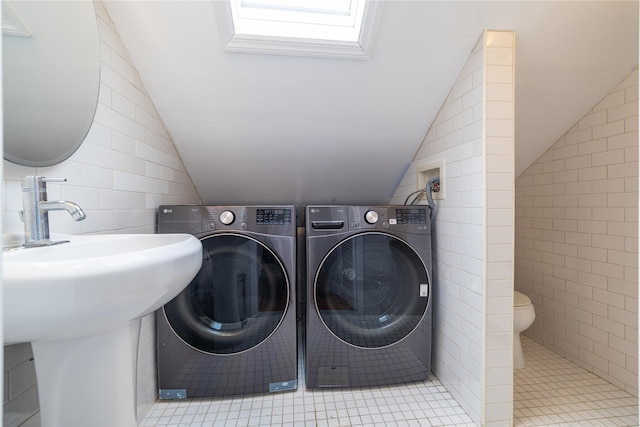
[
  {"x": 125, "y": 168},
  {"x": 577, "y": 240},
  {"x": 473, "y": 232},
  {"x": 499, "y": 226},
  {"x": 20, "y": 388}
]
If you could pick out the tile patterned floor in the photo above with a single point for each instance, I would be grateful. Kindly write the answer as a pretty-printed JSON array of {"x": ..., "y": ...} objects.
[
  {"x": 421, "y": 404},
  {"x": 425, "y": 403},
  {"x": 418, "y": 404},
  {"x": 552, "y": 391}
]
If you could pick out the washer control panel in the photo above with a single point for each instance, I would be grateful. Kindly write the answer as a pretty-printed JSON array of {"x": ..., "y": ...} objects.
[
  {"x": 411, "y": 216},
  {"x": 273, "y": 216},
  {"x": 336, "y": 219},
  {"x": 195, "y": 219}
]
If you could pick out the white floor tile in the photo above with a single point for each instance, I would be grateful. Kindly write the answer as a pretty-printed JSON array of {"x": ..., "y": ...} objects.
[
  {"x": 402, "y": 405},
  {"x": 552, "y": 391}
]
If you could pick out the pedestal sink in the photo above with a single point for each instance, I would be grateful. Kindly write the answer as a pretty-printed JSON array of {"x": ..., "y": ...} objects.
[{"x": 80, "y": 305}]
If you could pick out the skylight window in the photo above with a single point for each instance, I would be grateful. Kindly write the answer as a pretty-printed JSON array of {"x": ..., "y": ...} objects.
[
  {"x": 328, "y": 28},
  {"x": 307, "y": 19}
]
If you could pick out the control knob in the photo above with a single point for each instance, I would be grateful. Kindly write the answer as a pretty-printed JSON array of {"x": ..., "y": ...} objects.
[
  {"x": 371, "y": 217},
  {"x": 227, "y": 217}
]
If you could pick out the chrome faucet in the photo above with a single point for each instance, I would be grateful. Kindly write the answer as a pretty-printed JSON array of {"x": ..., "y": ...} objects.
[{"x": 36, "y": 210}]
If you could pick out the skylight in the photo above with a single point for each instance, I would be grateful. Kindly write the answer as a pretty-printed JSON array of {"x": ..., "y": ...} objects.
[
  {"x": 328, "y": 28},
  {"x": 307, "y": 19}
]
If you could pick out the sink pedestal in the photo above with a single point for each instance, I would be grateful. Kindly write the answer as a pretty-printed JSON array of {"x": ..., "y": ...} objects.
[{"x": 89, "y": 381}]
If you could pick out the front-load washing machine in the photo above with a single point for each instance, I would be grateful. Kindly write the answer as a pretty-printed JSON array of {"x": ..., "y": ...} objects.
[
  {"x": 369, "y": 293},
  {"x": 232, "y": 331}
]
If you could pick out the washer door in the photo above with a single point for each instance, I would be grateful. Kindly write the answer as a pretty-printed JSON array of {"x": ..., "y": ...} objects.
[
  {"x": 371, "y": 290},
  {"x": 236, "y": 301}
]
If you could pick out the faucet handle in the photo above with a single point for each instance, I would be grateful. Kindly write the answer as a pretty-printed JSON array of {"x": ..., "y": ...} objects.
[{"x": 38, "y": 183}]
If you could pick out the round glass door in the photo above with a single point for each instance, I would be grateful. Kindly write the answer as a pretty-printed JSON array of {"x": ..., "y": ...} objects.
[
  {"x": 237, "y": 299},
  {"x": 371, "y": 290}
]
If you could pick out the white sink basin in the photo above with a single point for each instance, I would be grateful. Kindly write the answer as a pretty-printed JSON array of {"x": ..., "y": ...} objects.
[
  {"x": 80, "y": 305},
  {"x": 93, "y": 284}
]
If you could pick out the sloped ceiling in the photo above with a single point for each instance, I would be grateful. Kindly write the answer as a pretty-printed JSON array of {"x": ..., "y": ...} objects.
[{"x": 255, "y": 128}]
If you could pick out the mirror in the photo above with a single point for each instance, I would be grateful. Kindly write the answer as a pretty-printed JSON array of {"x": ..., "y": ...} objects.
[{"x": 51, "y": 78}]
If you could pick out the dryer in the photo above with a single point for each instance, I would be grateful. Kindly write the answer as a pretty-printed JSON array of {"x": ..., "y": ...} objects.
[
  {"x": 369, "y": 310},
  {"x": 232, "y": 331}
]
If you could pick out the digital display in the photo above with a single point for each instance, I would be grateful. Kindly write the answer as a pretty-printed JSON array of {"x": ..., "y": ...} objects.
[
  {"x": 411, "y": 216},
  {"x": 273, "y": 216}
]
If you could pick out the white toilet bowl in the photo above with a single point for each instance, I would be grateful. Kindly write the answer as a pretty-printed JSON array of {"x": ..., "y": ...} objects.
[{"x": 523, "y": 317}]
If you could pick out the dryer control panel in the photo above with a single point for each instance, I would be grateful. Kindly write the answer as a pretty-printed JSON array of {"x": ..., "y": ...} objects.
[
  {"x": 273, "y": 216},
  {"x": 410, "y": 215},
  {"x": 328, "y": 219},
  {"x": 279, "y": 220}
]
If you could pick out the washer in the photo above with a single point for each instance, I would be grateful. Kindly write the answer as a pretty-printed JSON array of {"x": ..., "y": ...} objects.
[
  {"x": 232, "y": 331},
  {"x": 369, "y": 309}
]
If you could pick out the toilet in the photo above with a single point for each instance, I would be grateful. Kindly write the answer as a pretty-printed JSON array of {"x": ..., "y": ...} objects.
[{"x": 523, "y": 317}]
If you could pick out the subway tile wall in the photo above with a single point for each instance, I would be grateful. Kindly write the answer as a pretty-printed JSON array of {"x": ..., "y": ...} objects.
[
  {"x": 473, "y": 232},
  {"x": 125, "y": 168},
  {"x": 499, "y": 212},
  {"x": 20, "y": 389},
  {"x": 577, "y": 240}
]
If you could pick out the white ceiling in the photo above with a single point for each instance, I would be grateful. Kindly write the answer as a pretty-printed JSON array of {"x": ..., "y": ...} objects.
[{"x": 255, "y": 128}]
